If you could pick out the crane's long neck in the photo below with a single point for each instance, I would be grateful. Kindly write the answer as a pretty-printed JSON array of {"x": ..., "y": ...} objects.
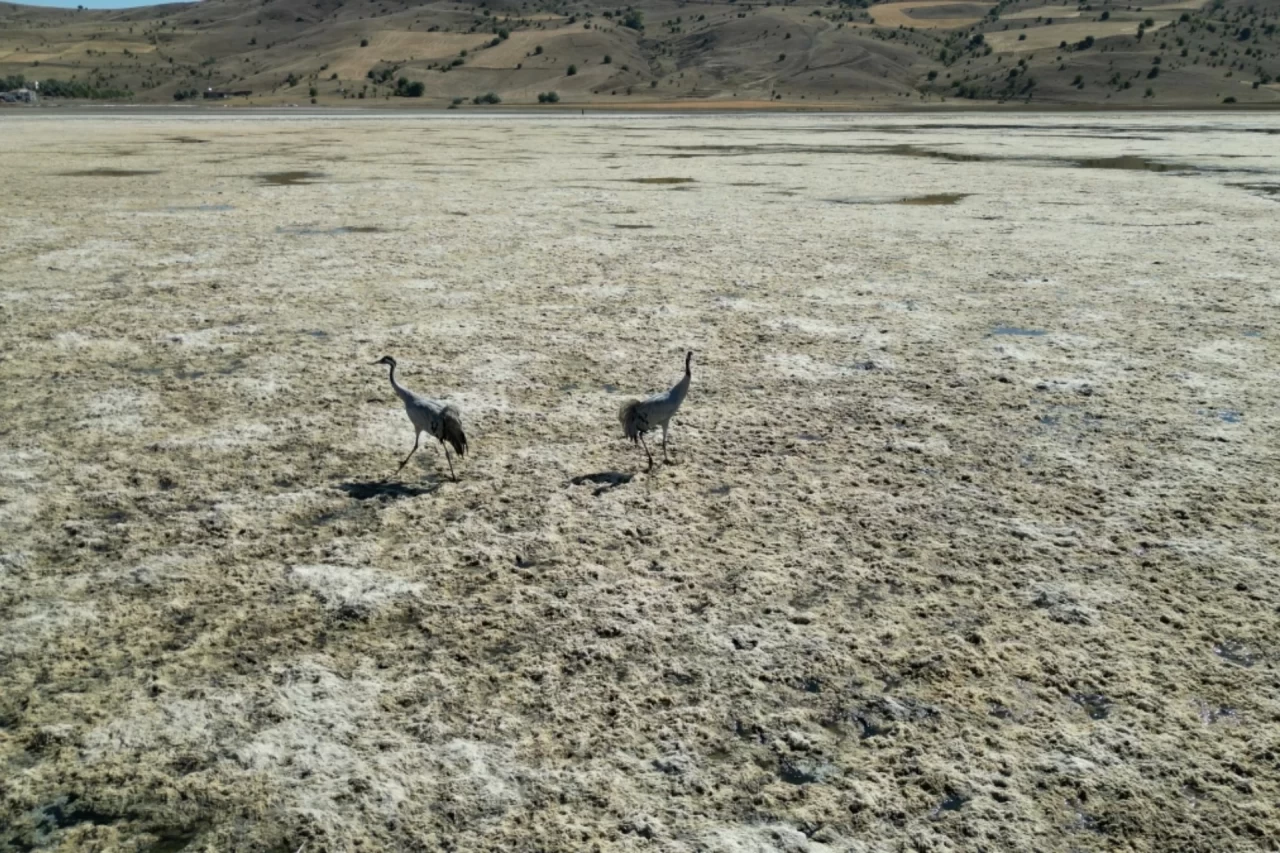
[
  {"x": 401, "y": 391},
  {"x": 681, "y": 388}
]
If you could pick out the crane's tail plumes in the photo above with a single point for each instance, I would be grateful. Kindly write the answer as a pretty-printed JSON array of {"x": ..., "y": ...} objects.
[
  {"x": 452, "y": 428},
  {"x": 633, "y": 422}
]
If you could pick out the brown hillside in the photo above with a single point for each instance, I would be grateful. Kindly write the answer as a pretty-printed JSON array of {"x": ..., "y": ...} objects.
[{"x": 917, "y": 52}]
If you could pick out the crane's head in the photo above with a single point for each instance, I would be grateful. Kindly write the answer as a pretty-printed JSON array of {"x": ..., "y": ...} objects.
[
  {"x": 386, "y": 359},
  {"x": 688, "y": 359}
]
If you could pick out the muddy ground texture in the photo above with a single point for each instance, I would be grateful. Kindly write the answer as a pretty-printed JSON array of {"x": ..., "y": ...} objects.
[{"x": 969, "y": 541}]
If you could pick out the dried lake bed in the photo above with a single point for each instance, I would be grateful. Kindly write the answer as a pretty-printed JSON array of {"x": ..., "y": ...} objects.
[{"x": 969, "y": 542}]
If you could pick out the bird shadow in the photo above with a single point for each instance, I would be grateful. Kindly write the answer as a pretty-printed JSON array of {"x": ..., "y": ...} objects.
[
  {"x": 606, "y": 480},
  {"x": 363, "y": 491}
]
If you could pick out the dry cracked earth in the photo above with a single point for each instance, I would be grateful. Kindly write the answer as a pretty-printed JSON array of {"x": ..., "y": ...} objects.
[{"x": 968, "y": 540}]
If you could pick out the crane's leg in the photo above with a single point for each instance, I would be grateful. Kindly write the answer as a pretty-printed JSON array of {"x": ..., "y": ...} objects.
[
  {"x": 416, "y": 436},
  {"x": 446, "y": 456},
  {"x": 664, "y": 444},
  {"x": 646, "y": 452}
]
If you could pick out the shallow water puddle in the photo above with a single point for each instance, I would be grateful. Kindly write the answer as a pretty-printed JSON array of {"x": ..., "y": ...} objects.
[
  {"x": 630, "y": 226},
  {"x": 1018, "y": 331},
  {"x": 1227, "y": 416},
  {"x": 289, "y": 179},
  {"x": 1097, "y": 706},
  {"x": 660, "y": 180},
  {"x": 952, "y": 803},
  {"x": 1210, "y": 715},
  {"x": 1236, "y": 652},
  {"x": 190, "y": 140}
]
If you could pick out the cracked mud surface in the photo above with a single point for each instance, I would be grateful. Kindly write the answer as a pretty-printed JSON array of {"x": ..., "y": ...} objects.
[{"x": 970, "y": 542}]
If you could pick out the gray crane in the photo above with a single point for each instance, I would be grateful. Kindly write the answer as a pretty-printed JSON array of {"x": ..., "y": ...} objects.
[
  {"x": 641, "y": 416},
  {"x": 438, "y": 419}
]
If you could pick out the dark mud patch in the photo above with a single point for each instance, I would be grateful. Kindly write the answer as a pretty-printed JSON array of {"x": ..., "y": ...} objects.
[
  {"x": 363, "y": 491},
  {"x": 1018, "y": 331},
  {"x": 288, "y": 179},
  {"x": 800, "y": 771},
  {"x": 931, "y": 199},
  {"x": 905, "y": 150},
  {"x": 660, "y": 180},
  {"x": 1131, "y": 163},
  {"x": 109, "y": 173},
  {"x": 200, "y": 208},
  {"x": 1124, "y": 162},
  {"x": 604, "y": 480},
  {"x": 1271, "y": 191},
  {"x": 631, "y": 226},
  {"x": 172, "y": 840},
  {"x": 305, "y": 230},
  {"x": 188, "y": 140},
  {"x": 935, "y": 199}
]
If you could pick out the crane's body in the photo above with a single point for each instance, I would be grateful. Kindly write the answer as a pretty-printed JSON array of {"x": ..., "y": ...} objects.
[
  {"x": 440, "y": 420},
  {"x": 641, "y": 416}
]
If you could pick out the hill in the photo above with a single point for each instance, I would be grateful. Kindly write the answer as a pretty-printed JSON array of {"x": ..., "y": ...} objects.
[{"x": 656, "y": 52}]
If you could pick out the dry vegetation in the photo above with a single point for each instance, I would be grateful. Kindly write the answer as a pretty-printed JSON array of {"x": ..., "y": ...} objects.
[
  {"x": 970, "y": 543},
  {"x": 811, "y": 54}
]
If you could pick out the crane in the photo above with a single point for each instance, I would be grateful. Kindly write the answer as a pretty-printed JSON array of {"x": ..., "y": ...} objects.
[
  {"x": 438, "y": 419},
  {"x": 641, "y": 416}
]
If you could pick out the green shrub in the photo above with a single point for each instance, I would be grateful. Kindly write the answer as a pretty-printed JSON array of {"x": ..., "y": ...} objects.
[
  {"x": 364, "y": 42},
  {"x": 573, "y": 69}
]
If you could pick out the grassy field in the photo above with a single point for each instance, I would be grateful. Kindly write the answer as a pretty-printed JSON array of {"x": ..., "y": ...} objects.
[
  {"x": 808, "y": 54},
  {"x": 969, "y": 539}
]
